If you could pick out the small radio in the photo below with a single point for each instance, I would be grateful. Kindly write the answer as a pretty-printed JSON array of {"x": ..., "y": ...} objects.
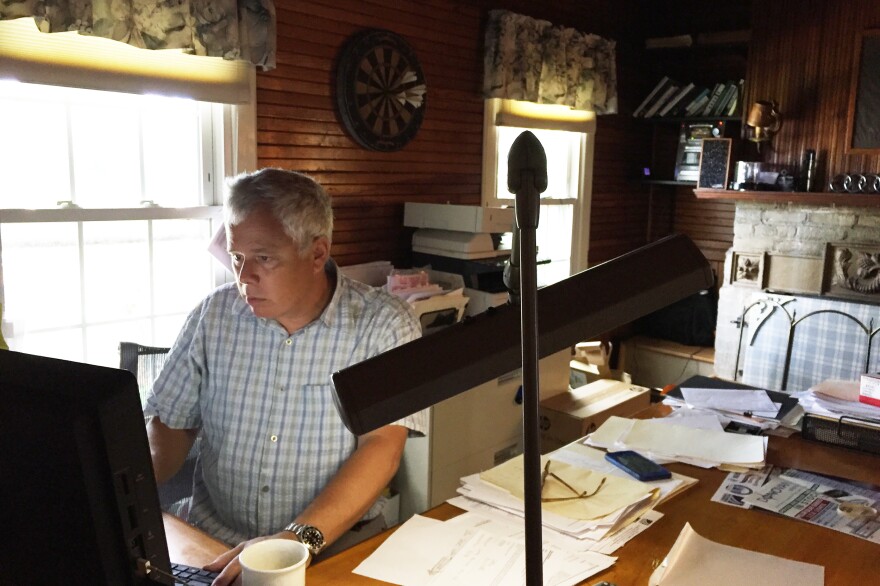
[{"x": 690, "y": 143}]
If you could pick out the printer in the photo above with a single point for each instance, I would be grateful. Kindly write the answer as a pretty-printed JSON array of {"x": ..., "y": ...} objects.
[{"x": 465, "y": 240}]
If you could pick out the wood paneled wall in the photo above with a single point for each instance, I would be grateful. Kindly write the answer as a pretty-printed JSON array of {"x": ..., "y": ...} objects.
[
  {"x": 802, "y": 55},
  {"x": 298, "y": 128}
]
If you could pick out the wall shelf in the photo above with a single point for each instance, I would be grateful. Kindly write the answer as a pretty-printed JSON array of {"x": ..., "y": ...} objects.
[
  {"x": 695, "y": 119},
  {"x": 796, "y": 197},
  {"x": 668, "y": 182}
]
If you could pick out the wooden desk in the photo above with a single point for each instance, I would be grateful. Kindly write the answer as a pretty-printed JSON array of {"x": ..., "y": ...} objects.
[{"x": 847, "y": 560}]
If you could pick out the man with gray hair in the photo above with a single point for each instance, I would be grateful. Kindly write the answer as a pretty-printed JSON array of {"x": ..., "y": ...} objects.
[{"x": 251, "y": 372}]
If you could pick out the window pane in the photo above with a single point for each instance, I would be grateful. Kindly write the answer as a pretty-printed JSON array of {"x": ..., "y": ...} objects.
[
  {"x": 117, "y": 271},
  {"x": 562, "y": 150},
  {"x": 106, "y": 145},
  {"x": 102, "y": 341},
  {"x": 116, "y": 140},
  {"x": 554, "y": 243},
  {"x": 63, "y": 344},
  {"x": 183, "y": 265},
  {"x": 172, "y": 152},
  {"x": 41, "y": 277},
  {"x": 34, "y": 171}
]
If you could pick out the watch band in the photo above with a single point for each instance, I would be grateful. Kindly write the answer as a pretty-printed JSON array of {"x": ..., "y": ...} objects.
[{"x": 309, "y": 535}]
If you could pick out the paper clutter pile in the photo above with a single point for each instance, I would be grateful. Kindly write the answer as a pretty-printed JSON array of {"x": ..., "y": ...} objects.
[
  {"x": 602, "y": 521},
  {"x": 485, "y": 544},
  {"x": 437, "y": 297},
  {"x": 689, "y": 440},
  {"x": 838, "y": 398},
  {"x": 737, "y": 407}
]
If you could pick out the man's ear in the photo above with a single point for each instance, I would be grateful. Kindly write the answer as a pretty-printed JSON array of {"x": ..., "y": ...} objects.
[{"x": 320, "y": 252}]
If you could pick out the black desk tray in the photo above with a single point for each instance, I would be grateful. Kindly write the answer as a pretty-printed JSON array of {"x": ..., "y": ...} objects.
[{"x": 848, "y": 432}]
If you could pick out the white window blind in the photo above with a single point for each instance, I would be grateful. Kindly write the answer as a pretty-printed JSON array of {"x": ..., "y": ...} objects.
[{"x": 75, "y": 60}]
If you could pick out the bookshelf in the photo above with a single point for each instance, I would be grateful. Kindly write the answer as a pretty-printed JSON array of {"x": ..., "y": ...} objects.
[{"x": 706, "y": 60}]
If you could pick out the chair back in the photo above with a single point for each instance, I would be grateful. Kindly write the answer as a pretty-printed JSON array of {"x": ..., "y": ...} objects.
[{"x": 146, "y": 362}]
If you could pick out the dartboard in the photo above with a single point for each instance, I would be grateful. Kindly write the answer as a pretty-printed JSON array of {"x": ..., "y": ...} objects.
[{"x": 380, "y": 90}]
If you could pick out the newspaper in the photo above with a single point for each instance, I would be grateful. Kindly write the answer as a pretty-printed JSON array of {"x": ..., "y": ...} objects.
[
  {"x": 739, "y": 485},
  {"x": 842, "y": 505}
]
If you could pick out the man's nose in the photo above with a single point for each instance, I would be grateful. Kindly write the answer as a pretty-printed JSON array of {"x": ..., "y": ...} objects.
[{"x": 246, "y": 274}]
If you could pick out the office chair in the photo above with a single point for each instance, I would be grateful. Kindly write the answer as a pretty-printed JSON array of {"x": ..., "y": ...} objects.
[{"x": 145, "y": 362}]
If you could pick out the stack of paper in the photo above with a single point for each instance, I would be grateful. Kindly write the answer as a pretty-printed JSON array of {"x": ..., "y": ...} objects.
[
  {"x": 471, "y": 549},
  {"x": 588, "y": 524},
  {"x": 834, "y": 398},
  {"x": 486, "y": 544},
  {"x": 666, "y": 440},
  {"x": 738, "y": 407}
]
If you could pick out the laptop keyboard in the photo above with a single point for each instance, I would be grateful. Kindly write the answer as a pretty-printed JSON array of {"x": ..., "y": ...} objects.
[{"x": 184, "y": 574}]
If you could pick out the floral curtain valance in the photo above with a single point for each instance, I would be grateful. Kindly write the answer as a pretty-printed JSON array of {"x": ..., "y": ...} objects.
[
  {"x": 232, "y": 29},
  {"x": 532, "y": 60}
]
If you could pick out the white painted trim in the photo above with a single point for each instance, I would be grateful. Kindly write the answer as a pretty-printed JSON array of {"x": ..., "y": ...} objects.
[{"x": 19, "y": 216}]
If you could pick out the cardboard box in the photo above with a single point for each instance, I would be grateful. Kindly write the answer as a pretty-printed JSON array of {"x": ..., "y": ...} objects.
[
  {"x": 869, "y": 389},
  {"x": 571, "y": 415}
]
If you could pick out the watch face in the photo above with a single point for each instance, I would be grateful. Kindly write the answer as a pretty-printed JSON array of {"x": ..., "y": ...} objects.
[
  {"x": 312, "y": 538},
  {"x": 380, "y": 90}
]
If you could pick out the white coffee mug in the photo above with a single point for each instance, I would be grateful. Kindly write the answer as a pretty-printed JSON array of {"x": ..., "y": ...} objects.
[{"x": 274, "y": 562}]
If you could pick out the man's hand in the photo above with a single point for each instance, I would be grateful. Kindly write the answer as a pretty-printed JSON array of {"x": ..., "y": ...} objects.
[{"x": 229, "y": 567}]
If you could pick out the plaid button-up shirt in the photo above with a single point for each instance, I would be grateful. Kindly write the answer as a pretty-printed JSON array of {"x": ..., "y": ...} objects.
[{"x": 271, "y": 435}]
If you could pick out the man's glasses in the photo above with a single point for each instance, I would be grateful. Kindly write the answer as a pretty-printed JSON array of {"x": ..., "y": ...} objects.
[{"x": 577, "y": 495}]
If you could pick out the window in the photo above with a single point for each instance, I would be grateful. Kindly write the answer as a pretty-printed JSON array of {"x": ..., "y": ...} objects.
[
  {"x": 107, "y": 204},
  {"x": 566, "y": 135}
]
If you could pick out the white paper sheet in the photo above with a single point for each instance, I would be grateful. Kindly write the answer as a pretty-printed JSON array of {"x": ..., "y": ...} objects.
[
  {"x": 711, "y": 446},
  {"x": 470, "y": 550},
  {"x": 404, "y": 558},
  {"x": 697, "y": 561},
  {"x": 736, "y": 400}
]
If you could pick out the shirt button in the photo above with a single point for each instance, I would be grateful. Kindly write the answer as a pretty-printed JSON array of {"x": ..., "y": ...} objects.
[
  {"x": 265, "y": 489},
  {"x": 288, "y": 341},
  {"x": 274, "y": 438}
]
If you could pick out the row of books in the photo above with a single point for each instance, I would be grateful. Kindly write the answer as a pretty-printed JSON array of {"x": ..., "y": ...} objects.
[{"x": 671, "y": 99}]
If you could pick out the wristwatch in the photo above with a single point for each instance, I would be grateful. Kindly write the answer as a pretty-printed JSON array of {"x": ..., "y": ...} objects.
[{"x": 309, "y": 535}]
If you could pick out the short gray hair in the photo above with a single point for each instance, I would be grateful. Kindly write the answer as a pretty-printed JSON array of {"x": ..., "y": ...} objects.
[{"x": 295, "y": 199}]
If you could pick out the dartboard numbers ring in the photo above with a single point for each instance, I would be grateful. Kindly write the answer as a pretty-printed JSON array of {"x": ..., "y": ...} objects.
[{"x": 380, "y": 90}]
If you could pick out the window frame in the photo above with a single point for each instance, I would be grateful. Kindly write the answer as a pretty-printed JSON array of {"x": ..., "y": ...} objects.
[
  {"x": 498, "y": 112},
  {"x": 228, "y": 138}
]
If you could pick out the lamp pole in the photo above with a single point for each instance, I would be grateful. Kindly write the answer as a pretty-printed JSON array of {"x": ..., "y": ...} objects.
[{"x": 527, "y": 178}]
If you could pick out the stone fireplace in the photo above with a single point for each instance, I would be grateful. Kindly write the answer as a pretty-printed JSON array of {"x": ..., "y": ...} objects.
[{"x": 800, "y": 297}]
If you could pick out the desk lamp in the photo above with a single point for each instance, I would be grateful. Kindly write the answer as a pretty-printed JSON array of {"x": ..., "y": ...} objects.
[{"x": 426, "y": 371}]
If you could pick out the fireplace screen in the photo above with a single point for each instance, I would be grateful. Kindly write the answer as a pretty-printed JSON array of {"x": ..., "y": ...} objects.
[{"x": 790, "y": 343}]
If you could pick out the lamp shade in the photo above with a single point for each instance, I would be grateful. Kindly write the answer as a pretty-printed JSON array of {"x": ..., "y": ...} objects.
[
  {"x": 763, "y": 121},
  {"x": 421, "y": 373}
]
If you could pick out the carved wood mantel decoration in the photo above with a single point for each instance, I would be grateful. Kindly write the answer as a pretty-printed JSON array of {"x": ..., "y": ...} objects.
[
  {"x": 748, "y": 269},
  {"x": 852, "y": 271}
]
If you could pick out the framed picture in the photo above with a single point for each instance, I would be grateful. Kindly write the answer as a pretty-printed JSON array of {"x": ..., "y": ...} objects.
[
  {"x": 863, "y": 115},
  {"x": 714, "y": 163}
]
